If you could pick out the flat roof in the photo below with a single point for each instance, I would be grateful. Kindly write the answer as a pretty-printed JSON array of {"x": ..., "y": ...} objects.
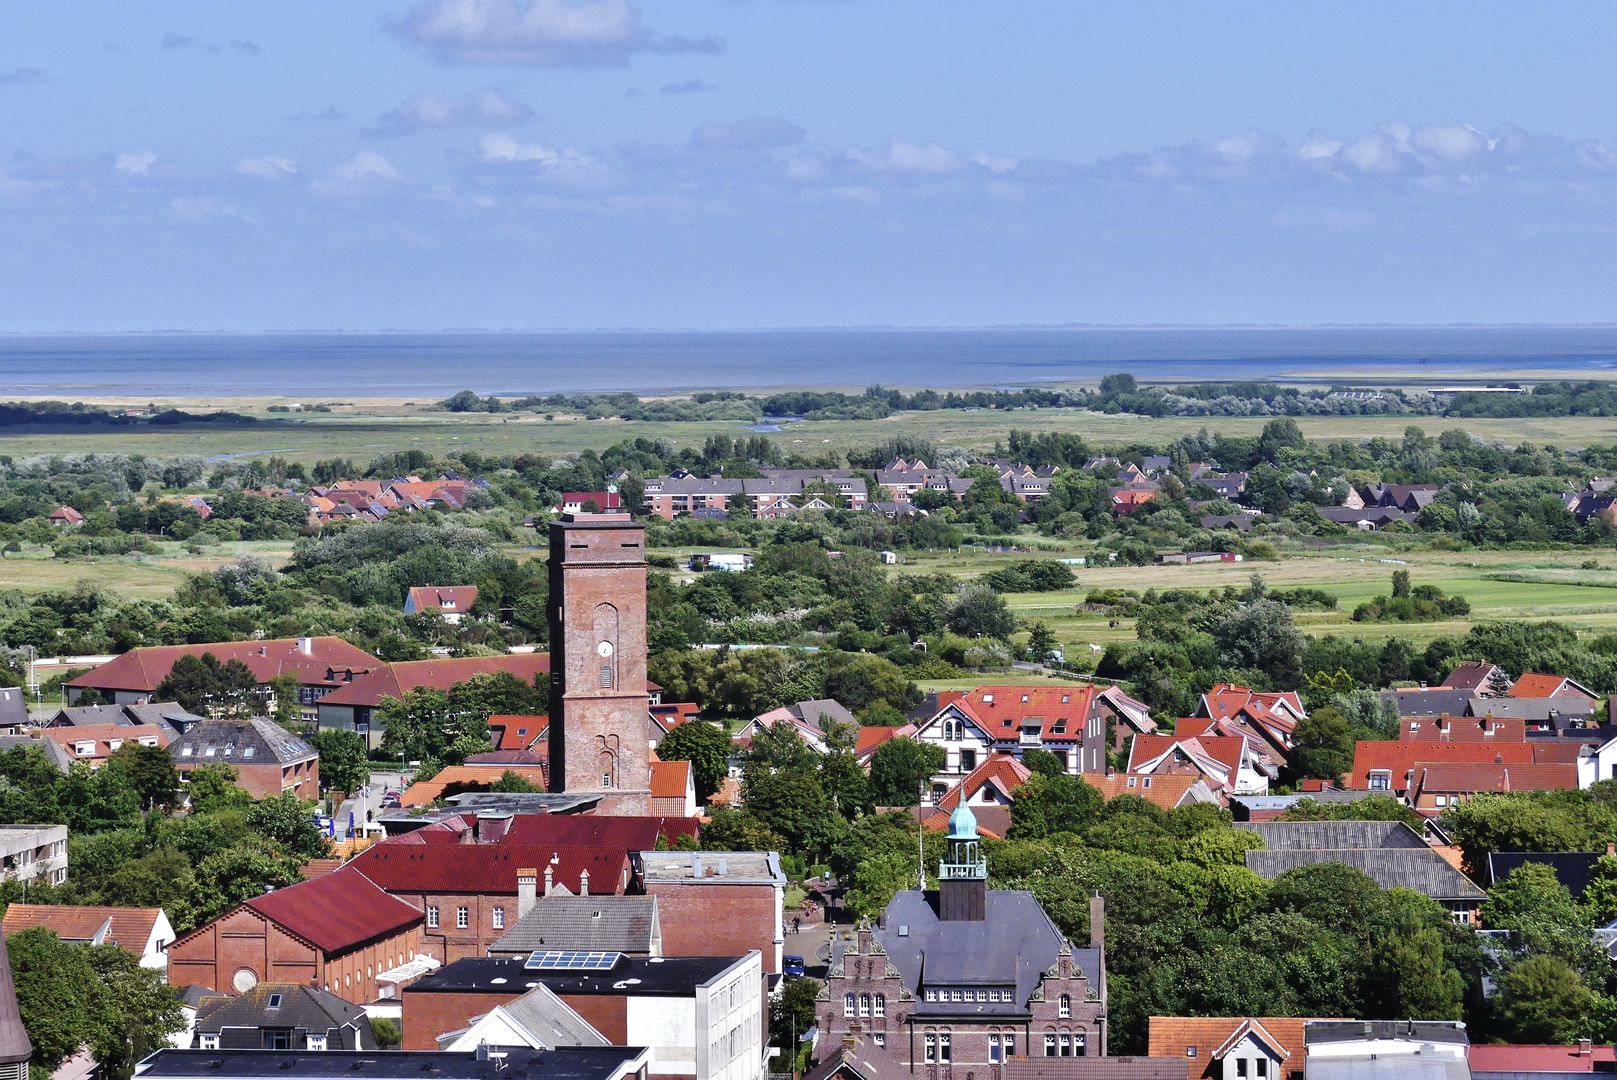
[
  {"x": 712, "y": 867},
  {"x": 521, "y": 1063},
  {"x": 631, "y": 976}
]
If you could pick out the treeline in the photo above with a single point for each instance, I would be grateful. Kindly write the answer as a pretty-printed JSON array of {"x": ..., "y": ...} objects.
[{"x": 78, "y": 414}]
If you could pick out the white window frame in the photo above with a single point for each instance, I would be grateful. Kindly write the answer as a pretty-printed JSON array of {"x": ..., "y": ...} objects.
[
  {"x": 849, "y": 1005},
  {"x": 209, "y": 1041},
  {"x": 432, "y": 916},
  {"x": 463, "y": 917},
  {"x": 879, "y": 1006},
  {"x": 499, "y": 918}
]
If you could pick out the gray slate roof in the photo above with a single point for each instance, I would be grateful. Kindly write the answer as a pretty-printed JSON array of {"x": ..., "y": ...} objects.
[
  {"x": 1532, "y": 708},
  {"x": 1436, "y": 701},
  {"x": 305, "y": 1008},
  {"x": 626, "y": 924},
  {"x": 13, "y": 706},
  {"x": 552, "y": 1021},
  {"x": 166, "y": 715},
  {"x": 239, "y": 742},
  {"x": 49, "y": 747},
  {"x": 1424, "y": 871},
  {"x": 1331, "y": 835},
  {"x": 810, "y": 711},
  {"x": 1014, "y": 944}
]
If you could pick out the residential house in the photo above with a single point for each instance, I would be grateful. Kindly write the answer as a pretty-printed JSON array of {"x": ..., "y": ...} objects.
[
  {"x": 988, "y": 790},
  {"x": 166, "y": 715},
  {"x": 141, "y": 932},
  {"x": 453, "y": 602},
  {"x": 1229, "y": 486},
  {"x": 665, "y": 718},
  {"x": 1546, "y": 714},
  {"x": 1230, "y": 1047},
  {"x": 538, "y": 1019},
  {"x": 702, "y": 1017},
  {"x": 1169, "y": 791},
  {"x": 1369, "y": 519},
  {"x": 338, "y": 932},
  {"x": 1409, "y": 498},
  {"x": 1392, "y": 766},
  {"x": 1230, "y": 764},
  {"x": 1070, "y": 722},
  {"x": 1389, "y": 852},
  {"x": 1127, "y": 500},
  {"x": 673, "y": 789},
  {"x": 572, "y": 502},
  {"x": 1478, "y": 676},
  {"x": 54, "y": 752},
  {"x": 471, "y": 893},
  {"x": 65, "y": 515},
  {"x": 718, "y": 902},
  {"x": 1462, "y": 728},
  {"x": 14, "y": 710},
  {"x": 472, "y": 776},
  {"x": 1534, "y": 685},
  {"x": 269, "y": 760},
  {"x": 352, "y": 707},
  {"x": 1573, "y": 869},
  {"x": 519, "y": 732},
  {"x": 617, "y": 924},
  {"x": 1431, "y": 701},
  {"x": 967, "y": 978},
  {"x": 561, "y": 1063},
  {"x": 93, "y": 744},
  {"x": 1270, "y": 716},
  {"x": 318, "y": 664},
  {"x": 282, "y": 1016},
  {"x": 814, "y": 721},
  {"x": 33, "y": 853},
  {"x": 870, "y": 738}
]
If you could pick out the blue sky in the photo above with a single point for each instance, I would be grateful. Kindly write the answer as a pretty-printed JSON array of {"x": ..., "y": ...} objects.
[{"x": 432, "y": 164}]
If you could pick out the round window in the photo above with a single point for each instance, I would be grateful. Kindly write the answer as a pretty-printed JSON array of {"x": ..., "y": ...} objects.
[{"x": 245, "y": 979}]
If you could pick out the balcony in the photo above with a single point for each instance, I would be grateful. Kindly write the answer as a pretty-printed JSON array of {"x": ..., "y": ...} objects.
[{"x": 969, "y": 871}]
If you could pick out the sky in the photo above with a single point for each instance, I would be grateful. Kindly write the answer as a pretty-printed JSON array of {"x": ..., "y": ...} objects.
[{"x": 516, "y": 164}]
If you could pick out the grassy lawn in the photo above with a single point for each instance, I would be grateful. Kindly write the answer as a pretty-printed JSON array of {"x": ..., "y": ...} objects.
[{"x": 135, "y": 577}]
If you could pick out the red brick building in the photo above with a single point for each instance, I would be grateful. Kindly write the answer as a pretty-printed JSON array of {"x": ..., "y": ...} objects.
[
  {"x": 598, "y": 651},
  {"x": 336, "y": 932},
  {"x": 718, "y": 903},
  {"x": 268, "y": 759},
  {"x": 470, "y": 895}
]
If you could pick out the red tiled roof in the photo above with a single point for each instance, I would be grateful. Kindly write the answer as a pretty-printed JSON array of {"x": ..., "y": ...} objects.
[
  {"x": 871, "y": 736},
  {"x": 423, "y": 792},
  {"x": 1534, "y": 685},
  {"x": 1537, "y": 1057},
  {"x": 320, "y": 868},
  {"x": 632, "y": 833},
  {"x": 1167, "y": 790},
  {"x": 518, "y": 732},
  {"x": 1173, "y": 1036},
  {"x": 130, "y": 929},
  {"x": 670, "y": 716},
  {"x": 1469, "y": 675},
  {"x": 458, "y": 598},
  {"x": 1001, "y": 711},
  {"x": 1450, "y": 778},
  {"x": 1399, "y": 758},
  {"x": 1463, "y": 729},
  {"x": 1002, "y": 770},
  {"x": 141, "y": 670},
  {"x": 669, "y": 779},
  {"x": 488, "y": 868},
  {"x": 507, "y": 757},
  {"x": 336, "y": 912},
  {"x": 103, "y": 736},
  {"x": 395, "y": 680},
  {"x": 67, "y": 514}
]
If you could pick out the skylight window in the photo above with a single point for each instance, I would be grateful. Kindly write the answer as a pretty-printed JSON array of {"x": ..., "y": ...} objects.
[
  {"x": 274, "y": 1001},
  {"x": 561, "y": 960}
]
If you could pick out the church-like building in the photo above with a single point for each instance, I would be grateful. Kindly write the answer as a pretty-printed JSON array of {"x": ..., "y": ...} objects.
[{"x": 956, "y": 982}]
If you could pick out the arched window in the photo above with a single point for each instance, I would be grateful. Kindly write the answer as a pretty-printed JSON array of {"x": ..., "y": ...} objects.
[
  {"x": 1064, "y": 1006},
  {"x": 848, "y": 1004},
  {"x": 881, "y": 1004},
  {"x": 864, "y": 1005}
]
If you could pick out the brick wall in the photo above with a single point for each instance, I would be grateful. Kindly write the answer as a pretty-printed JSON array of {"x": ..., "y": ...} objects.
[
  {"x": 448, "y": 942},
  {"x": 717, "y": 920},
  {"x": 269, "y": 779},
  {"x": 427, "y": 1015}
]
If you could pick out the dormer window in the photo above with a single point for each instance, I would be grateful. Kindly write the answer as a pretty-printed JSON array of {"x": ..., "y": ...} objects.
[{"x": 988, "y": 699}]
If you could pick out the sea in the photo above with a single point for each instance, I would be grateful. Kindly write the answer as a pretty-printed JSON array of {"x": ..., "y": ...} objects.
[{"x": 334, "y": 366}]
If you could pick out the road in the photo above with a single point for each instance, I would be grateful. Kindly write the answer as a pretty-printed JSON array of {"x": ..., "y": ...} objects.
[{"x": 366, "y": 804}]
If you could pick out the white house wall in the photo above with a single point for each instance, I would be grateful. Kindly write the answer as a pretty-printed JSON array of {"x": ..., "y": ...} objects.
[{"x": 668, "y": 1026}]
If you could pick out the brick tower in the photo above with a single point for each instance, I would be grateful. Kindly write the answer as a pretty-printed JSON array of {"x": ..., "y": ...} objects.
[{"x": 598, "y": 660}]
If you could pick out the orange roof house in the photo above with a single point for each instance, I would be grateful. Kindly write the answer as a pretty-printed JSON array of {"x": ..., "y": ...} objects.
[
  {"x": 1169, "y": 791},
  {"x": 1229, "y": 764},
  {"x": 871, "y": 737},
  {"x": 453, "y": 602},
  {"x": 1270, "y": 716},
  {"x": 142, "y": 932},
  {"x": 673, "y": 789},
  {"x": 1206, "y": 1044},
  {"x": 453, "y": 779},
  {"x": 988, "y": 790},
  {"x": 94, "y": 743},
  {"x": 1391, "y": 766},
  {"x": 1475, "y": 675},
  {"x": 1447, "y": 728},
  {"x": 65, "y": 515},
  {"x": 1534, "y": 685}
]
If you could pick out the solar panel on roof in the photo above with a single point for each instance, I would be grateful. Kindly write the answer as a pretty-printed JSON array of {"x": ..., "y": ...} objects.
[{"x": 564, "y": 960}]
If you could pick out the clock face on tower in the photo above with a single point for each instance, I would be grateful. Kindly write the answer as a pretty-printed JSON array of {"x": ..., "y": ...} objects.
[{"x": 604, "y": 648}]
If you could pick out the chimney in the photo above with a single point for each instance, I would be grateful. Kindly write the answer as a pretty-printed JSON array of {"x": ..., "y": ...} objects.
[
  {"x": 1097, "y": 923},
  {"x": 306, "y": 646},
  {"x": 724, "y": 867},
  {"x": 1585, "y": 1048},
  {"x": 527, "y": 884},
  {"x": 550, "y": 884},
  {"x": 583, "y": 883},
  {"x": 696, "y": 867}
]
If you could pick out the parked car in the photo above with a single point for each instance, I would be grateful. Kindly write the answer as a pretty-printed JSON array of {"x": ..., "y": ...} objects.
[{"x": 792, "y": 967}]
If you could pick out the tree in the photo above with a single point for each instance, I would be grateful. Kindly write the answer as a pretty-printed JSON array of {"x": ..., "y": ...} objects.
[
  {"x": 1541, "y": 1000},
  {"x": 287, "y": 820},
  {"x": 150, "y": 771},
  {"x": 1515, "y": 822},
  {"x": 1336, "y": 897},
  {"x": 343, "y": 764},
  {"x": 793, "y": 805},
  {"x": 1043, "y": 762},
  {"x": 1041, "y": 641},
  {"x": 1410, "y": 977},
  {"x": 707, "y": 749},
  {"x": 1047, "y": 805},
  {"x": 1400, "y": 583},
  {"x": 511, "y": 781},
  {"x": 979, "y": 611},
  {"x": 845, "y": 783},
  {"x": 214, "y": 787},
  {"x": 234, "y": 876},
  {"x": 791, "y": 1014},
  {"x": 147, "y": 1012},
  {"x": 900, "y": 768},
  {"x": 201, "y": 684},
  {"x": 737, "y": 830},
  {"x": 1262, "y": 636},
  {"x": 1322, "y": 745},
  {"x": 1600, "y": 894}
]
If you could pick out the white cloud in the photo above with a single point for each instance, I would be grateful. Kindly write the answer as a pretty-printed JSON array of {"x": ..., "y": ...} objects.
[
  {"x": 538, "y": 33},
  {"x": 367, "y": 165},
  {"x": 135, "y": 164},
  {"x": 995, "y": 164},
  {"x": 485, "y": 108},
  {"x": 270, "y": 168},
  {"x": 903, "y": 157},
  {"x": 752, "y": 133},
  {"x": 1450, "y": 142}
]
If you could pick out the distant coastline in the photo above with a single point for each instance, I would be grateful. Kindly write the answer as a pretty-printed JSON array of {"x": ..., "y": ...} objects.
[{"x": 414, "y": 366}]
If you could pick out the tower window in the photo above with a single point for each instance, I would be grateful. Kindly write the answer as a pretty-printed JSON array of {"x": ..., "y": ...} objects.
[
  {"x": 881, "y": 1004},
  {"x": 606, "y": 779},
  {"x": 848, "y": 1004},
  {"x": 1064, "y": 1006},
  {"x": 606, "y": 676}
]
